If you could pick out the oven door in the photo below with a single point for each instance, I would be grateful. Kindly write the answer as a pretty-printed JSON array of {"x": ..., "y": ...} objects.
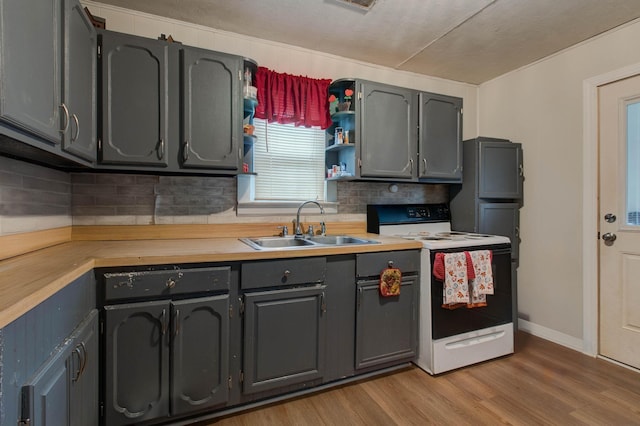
[{"x": 447, "y": 322}]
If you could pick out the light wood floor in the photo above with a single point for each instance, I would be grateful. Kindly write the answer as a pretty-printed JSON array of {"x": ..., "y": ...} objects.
[{"x": 541, "y": 384}]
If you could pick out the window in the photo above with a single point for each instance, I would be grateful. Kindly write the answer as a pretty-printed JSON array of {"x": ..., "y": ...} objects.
[{"x": 289, "y": 162}]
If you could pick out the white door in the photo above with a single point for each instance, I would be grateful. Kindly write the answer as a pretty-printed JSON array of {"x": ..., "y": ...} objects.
[{"x": 619, "y": 221}]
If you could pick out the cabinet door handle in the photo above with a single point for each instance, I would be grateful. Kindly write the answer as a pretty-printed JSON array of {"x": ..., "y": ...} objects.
[
  {"x": 75, "y": 136},
  {"x": 163, "y": 322},
  {"x": 359, "y": 298},
  {"x": 176, "y": 330},
  {"x": 85, "y": 357},
  {"x": 161, "y": 149},
  {"x": 424, "y": 160},
  {"x": 517, "y": 231},
  {"x": 66, "y": 118},
  {"x": 78, "y": 371},
  {"x": 521, "y": 170},
  {"x": 410, "y": 165},
  {"x": 185, "y": 152},
  {"x": 323, "y": 304}
]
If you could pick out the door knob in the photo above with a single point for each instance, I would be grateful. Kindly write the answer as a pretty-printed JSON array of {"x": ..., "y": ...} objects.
[
  {"x": 609, "y": 238},
  {"x": 610, "y": 218}
]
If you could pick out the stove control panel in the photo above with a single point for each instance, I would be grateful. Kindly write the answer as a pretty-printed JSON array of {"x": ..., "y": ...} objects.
[{"x": 395, "y": 214}]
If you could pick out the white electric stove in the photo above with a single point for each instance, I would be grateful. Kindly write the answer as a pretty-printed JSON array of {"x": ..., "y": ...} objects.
[{"x": 450, "y": 339}]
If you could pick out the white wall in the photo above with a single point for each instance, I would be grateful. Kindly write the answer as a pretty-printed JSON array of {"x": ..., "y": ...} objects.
[
  {"x": 284, "y": 58},
  {"x": 541, "y": 106}
]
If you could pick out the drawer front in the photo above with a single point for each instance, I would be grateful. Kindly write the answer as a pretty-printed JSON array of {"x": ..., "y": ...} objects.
[
  {"x": 126, "y": 285},
  {"x": 372, "y": 264},
  {"x": 275, "y": 273}
]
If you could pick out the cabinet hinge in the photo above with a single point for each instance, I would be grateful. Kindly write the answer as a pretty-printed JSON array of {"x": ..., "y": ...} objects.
[
  {"x": 359, "y": 95},
  {"x": 24, "y": 422},
  {"x": 99, "y": 144},
  {"x": 240, "y": 75},
  {"x": 99, "y": 51},
  {"x": 101, "y": 409}
]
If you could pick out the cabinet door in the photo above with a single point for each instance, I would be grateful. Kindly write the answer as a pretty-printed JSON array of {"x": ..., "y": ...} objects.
[
  {"x": 388, "y": 131},
  {"x": 136, "y": 362},
  {"x": 30, "y": 52},
  {"x": 501, "y": 219},
  {"x": 83, "y": 364},
  {"x": 211, "y": 109},
  {"x": 386, "y": 327},
  {"x": 79, "y": 91},
  {"x": 500, "y": 170},
  {"x": 45, "y": 398},
  {"x": 440, "y": 138},
  {"x": 134, "y": 100},
  {"x": 200, "y": 353},
  {"x": 284, "y": 337}
]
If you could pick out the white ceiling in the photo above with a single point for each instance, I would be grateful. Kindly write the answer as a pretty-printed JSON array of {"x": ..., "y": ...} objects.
[{"x": 464, "y": 40}]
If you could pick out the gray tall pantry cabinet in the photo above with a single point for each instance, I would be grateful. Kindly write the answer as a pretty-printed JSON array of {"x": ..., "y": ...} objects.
[{"x": 489, "y": 199}]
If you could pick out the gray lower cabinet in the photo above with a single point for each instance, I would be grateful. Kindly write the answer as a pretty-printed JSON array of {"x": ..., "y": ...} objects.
[
  {"x": 386, "y": 327},
  {"x": 168, "y": 356},
  {"x": 135, "y": 110},
  {"x": 212, "y": 110},
  {"x": 64, "y": 391},
  {"x": 440, "y": 138},
  {"x": 284, "y": 337},
  {"x": 165, "y": 358}
]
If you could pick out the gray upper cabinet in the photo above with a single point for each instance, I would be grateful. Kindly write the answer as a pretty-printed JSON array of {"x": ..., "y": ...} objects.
[
  {"x": 30, "y": 72},
  {"x": 212, "y": 110},
  {"x": 440, "y": 130},
  {"x": 135, "y": 110},
  {"x": 388, "y": 131},
  {"x": 79, "y": 83},
  {"x": 48, "y": 76},
  {"x": 394, "y": 133},
  {"x": 499, "y": 169}
]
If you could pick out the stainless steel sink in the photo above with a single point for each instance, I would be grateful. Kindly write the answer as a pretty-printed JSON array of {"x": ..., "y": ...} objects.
[
  {"x": 265, "y": 243},
  {"x": 275, "y": 242},
  {"x": 339, "y": 240}
]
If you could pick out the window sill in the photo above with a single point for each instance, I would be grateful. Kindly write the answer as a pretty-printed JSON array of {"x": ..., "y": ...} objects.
[{"x": 279, "y": 208}]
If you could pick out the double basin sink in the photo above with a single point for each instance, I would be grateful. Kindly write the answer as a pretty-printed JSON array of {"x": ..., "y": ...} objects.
[{"x": 265, "y": 243}]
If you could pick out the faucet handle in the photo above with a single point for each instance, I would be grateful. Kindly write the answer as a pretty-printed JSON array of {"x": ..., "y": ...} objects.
[
  {"x": 323, "y": 228},
  {"x": 310, "y": 230},
  {"x": 285, "y": 230}
]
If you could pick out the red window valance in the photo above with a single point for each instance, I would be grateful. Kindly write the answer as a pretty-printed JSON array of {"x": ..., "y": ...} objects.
[{"x": 285, "y": 98}]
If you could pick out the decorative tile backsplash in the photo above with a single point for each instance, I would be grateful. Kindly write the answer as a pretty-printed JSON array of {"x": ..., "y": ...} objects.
[{"x": 34, "y": 197}]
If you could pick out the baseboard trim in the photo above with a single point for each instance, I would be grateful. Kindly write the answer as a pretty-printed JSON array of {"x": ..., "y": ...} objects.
[
  {"x": 552, "y": 335},
  {"x": 17, "y": 244}
]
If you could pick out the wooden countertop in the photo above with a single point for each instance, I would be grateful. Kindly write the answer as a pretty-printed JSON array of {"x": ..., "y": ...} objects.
[{"x": 31, "y": 278}]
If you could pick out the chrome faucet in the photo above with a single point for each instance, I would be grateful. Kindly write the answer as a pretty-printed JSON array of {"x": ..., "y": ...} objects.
[{"x": 298, "y": 225}]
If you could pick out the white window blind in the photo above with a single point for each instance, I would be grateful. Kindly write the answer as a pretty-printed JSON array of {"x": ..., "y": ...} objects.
[{"x": 289, "y": 162}]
